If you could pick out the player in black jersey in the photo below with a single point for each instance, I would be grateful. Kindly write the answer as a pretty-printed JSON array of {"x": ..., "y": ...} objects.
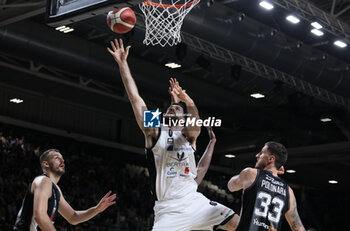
[
  {"x": 266, "y": 197},
  {"x": 44, "y": 199}
]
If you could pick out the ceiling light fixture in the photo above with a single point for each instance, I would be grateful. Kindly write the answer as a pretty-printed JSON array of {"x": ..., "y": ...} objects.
[
  {"x": 69, "y": 30},
  {"x": 340, "y": 44},
  {"x": 293, "y": 19},
  {"x": 60, "y": 27},
  {"x": 326, "y": 119},
  {"x": 267, "y": 5},
  {"x": 333, "y": 182},
  {"x": 230, "y": 156},
  {"x": 257, "y": 95},
  {"x": 291, "y": 171},
  {"x": 317, "y": 32},
  {"x": 316, "y": 25},
  {"x": 172, "y": 65},
  {"x": 17, "y": 101},
  {"x": 64, "y": 29}
]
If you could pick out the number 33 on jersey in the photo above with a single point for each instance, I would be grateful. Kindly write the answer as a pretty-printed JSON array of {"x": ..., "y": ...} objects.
[{"x": 268, "y": 198}]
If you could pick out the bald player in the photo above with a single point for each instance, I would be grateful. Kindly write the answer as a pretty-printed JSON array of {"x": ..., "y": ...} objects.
[{"x": 44, "y": 199}]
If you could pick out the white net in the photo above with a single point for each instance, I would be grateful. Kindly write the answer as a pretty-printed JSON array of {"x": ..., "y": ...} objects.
[{"x": 164, "y": 20}]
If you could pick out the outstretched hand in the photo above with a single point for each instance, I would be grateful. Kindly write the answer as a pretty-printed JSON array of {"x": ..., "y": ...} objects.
[
  {"x": 118, "y": 52},
  {"x": 180, "y": 93},
  {"x": 106, "y": 201},
  {"x": 173, "y": 82},
  {"x": 211, "y": 133}
]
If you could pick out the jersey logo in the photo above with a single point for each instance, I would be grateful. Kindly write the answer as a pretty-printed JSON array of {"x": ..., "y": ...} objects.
[
  {"x": 171, "y": 173},
  {"x": 179, "y": 160},
  {"x": 180, "y": 156},
  {"x": 212, "y": 203},
  {"x": 262, "y": 224}
]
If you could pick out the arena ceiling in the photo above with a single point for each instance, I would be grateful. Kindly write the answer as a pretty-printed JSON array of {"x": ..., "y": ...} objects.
[{"x": 303, "y": 78}]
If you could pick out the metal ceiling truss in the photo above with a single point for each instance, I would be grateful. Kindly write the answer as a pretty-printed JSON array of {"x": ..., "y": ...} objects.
[
  {"x": 311, "y": 13},
  {"x": 54, "y": 75},
  {"x": 20, "y": 10},
  {"x": 70, "y": 80},
  {"x": 223, "y": 55},
  {"x": 341, "y": 10},
  {"x": 262, "y": 70},
  {"x": 18, "y": 5}
]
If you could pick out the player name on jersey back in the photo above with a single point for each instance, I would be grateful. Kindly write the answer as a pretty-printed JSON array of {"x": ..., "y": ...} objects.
[{"x": 273, "y": 185}]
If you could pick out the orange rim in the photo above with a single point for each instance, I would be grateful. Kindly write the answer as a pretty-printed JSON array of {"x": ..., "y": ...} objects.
[{"x": 148, "y": 3}]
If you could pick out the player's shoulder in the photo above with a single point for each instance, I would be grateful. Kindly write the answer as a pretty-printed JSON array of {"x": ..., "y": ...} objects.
[
  {"x": 42, "y": 182},
  {"x": 248, "y": 172}
]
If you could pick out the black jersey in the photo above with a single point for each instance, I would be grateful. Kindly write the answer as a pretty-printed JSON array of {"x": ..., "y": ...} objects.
[
  {"x": 25, "y": 220},
  {"x": 265, "y": 203}
]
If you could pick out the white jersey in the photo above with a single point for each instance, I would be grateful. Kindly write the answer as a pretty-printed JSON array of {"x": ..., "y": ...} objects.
[{"x": 173, "y": 166}]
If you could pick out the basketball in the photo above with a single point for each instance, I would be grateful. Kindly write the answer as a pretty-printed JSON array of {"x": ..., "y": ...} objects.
[{"x": 121, "y": 20}]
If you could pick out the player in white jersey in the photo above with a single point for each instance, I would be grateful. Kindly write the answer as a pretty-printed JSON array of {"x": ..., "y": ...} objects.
[{"x": 170, "y": 153}]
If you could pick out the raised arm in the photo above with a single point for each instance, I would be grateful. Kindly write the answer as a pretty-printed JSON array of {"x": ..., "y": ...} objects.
[
  {"x": 76, "y": 217},
  {"x": 42, "y": 189},
  {"x": 120, "y": 55},
  {"x": 191, "y": 132},
  {"x": 292, "y": 215},
  {"x": 204, "y": 162},
  {"x": 174, "y": 98}
]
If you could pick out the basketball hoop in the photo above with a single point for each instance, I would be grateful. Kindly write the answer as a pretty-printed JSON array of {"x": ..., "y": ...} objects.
[{"x": 164, "y": 20}]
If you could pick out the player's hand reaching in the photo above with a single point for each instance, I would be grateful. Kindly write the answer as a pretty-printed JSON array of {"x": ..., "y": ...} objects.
[
  {"x": 106, "y": 201},
  {"x": 174, "y": 98},
  {"x": 118, "y": 52},
  {"x": 211, "y": 134},
  {"x": 181, "y": 93}
]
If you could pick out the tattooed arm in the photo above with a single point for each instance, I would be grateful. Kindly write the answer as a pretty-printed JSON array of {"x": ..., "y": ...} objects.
[{"x": 292, "y": 215}]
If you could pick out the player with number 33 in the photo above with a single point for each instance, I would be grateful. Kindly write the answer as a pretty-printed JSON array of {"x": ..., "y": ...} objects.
[{"x": 266, "y": 197}]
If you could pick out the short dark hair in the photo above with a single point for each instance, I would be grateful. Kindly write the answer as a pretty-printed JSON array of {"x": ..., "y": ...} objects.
[
  {"x": 279, "y": 151},
  {"x": 181, "y": 104},
  {"x": 43, "y": 156}
]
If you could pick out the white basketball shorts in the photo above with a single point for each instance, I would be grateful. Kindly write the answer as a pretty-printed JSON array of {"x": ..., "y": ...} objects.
[{"x": 193, "y": 212}]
